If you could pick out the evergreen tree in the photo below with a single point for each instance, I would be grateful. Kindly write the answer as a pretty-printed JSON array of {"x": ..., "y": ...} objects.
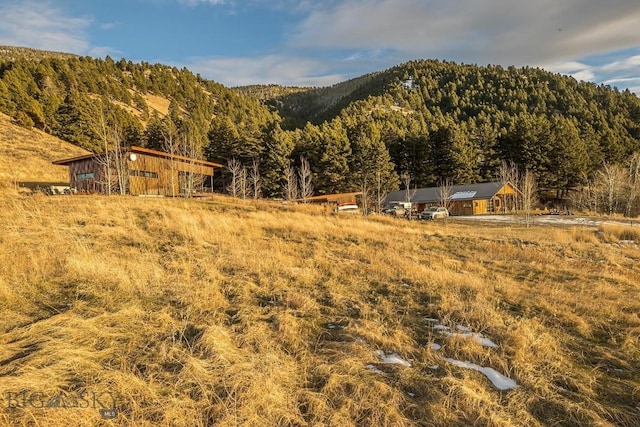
[{"x": 278, "y": 148}]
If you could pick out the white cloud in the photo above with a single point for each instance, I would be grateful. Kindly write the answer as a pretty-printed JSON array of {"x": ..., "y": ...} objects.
[
  {"x": 40, "y": 25},
  {"x": 518, "y": 32},
  {"x": 622, "y": 70},
  {"x": 279, "y": 69}
]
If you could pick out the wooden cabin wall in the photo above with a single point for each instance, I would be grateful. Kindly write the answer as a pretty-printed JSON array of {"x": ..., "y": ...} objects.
[
  {"x": 161, "y": 184},
  {"x": 92, "y": 185},
  {"x": 480, "y": 207}
]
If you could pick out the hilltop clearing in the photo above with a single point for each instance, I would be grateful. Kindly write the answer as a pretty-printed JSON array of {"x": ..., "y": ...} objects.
[{"x": 212, "y": 312}]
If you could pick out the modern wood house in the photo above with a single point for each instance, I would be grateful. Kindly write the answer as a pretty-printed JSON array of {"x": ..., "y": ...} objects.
[
  {"x": 142, "y": 171},
  {"x": 472, "y": 199}
]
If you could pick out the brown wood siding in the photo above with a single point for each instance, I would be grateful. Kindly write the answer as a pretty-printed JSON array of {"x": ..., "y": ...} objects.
[
  {"x": 468, "y": 207},
  {"x": 162, "y": 170},
  {"x": 87, "y": 185},
  {"x": 480, "y": 207}
]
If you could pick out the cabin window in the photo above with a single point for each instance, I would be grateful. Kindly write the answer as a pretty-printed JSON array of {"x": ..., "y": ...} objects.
[
  {"x": 145, "y": 174},
  {"x": 85, "y": 175}
]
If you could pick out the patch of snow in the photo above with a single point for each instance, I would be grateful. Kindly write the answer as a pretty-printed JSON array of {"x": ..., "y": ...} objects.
[
  {"x": 334, "y": 326},
  {"x": 435, "y": 346},
  {"x": 374, "y": 369},
  {"x": 393, "y": 359},
  {"x": 627, "y": 242},
  {"x": 466, "y": 332},
  {"x": 431, "y": 319},
  {"x": 434, "y": 367},
  {"x": 499, "y": 381},
  {"x": 543, "y": 220},
  {"x": 411, "y": 394},
  {"x": 484, "y": 341}
]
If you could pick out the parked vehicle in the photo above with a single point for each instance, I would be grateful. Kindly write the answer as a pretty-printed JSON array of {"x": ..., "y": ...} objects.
[
  {"x": 348, "y": 208},
  {"x": 397, "y": 208},
  {"x": 434, "y": 212}
]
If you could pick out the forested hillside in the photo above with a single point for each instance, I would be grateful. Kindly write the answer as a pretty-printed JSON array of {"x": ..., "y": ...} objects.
[
  {"x": 429, "y": 120},
  {"x": 446, "y": 120}
]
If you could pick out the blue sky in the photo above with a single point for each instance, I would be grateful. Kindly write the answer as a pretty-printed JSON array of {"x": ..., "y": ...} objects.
[{"x": 322, "y": 42}]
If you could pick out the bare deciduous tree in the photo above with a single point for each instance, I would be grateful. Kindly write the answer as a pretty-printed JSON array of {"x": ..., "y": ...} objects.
[
  {"x": 255, "y": 179},
  {"x": 190, "y": 147},
  {"x": 306, "y": 179},
  {"x": 610, "y": 179},
  {"x": 121, "y": 164},
  {"x": 290, "y": 187},
  {"x": 409, "y": 193},
  {"x": 508, "y": 174},
  {"x": 633, "y": 182},
  {"x": 235, "y": 168},
  {"x": 170, "y": 145},
  {"x": 445, "y": 191},
  {"x": 100, "y": 127}
]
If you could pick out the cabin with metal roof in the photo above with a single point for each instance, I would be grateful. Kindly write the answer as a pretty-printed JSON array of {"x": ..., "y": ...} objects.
[
  {"x": 471, "y": 199},
  {"x": 146, "y": 171}
]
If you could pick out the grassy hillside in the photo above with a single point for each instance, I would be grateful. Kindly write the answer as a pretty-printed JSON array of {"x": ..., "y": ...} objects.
[
  {"x": 190, "y": 312},
  {"x": 27, "y": 155}
]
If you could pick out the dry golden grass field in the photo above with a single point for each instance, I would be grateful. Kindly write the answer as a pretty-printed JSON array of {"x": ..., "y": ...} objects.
[
  {"x": 206, "y": 312},
  {"x": 122, "y": 311},
  {"x": 26, "y": 155}
]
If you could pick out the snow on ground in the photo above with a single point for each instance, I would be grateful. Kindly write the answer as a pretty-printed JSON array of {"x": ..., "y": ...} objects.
[
  {"x": 393, "y": 358},
  {"x": 374, "y": 369},
  {"x": 497, "y": 379},
  {"x": 466, "y": 333},
  {"x": 545, "y": 220}
]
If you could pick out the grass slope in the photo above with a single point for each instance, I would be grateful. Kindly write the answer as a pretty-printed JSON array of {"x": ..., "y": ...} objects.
[
  {"x": 27, "y": 155},
  {"x": 194, "y": 313}
]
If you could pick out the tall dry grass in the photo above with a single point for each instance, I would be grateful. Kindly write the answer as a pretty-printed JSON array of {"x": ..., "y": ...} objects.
[
  {"x": 218, "y": 313},
  {"x": 26, "y": 155}
]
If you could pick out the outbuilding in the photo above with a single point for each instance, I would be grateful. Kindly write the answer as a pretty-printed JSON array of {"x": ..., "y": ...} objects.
[{"x": 472, "y": 199}]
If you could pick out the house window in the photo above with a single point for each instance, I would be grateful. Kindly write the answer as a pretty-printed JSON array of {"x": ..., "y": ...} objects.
[
  {"x": 86, "y": 175},
  {"x": 145, "y": 174}
]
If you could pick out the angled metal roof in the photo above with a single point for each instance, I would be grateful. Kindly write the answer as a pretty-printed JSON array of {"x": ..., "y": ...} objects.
[
  {"x": 485, "y": 190},
  {"x": 142, "y": 150}
]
